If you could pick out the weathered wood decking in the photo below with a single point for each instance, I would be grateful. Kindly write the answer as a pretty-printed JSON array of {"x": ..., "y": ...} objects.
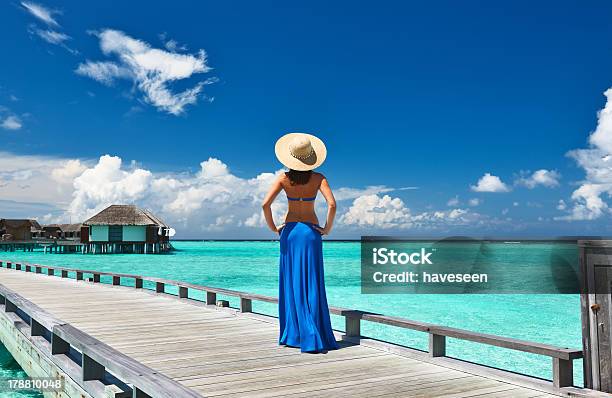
[{"x": 221, "y": 352}]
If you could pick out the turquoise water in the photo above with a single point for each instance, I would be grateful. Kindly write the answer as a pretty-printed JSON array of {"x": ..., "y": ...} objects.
[
  {"x": 253, "y": 267},
  {"x": 10, "y": 369}
]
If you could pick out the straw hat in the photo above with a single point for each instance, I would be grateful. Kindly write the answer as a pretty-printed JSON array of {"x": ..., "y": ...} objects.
[{"x": 300, "y": 151}]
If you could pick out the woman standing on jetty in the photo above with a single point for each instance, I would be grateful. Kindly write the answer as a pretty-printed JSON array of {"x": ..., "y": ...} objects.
[{"x": 303, "y": 311}]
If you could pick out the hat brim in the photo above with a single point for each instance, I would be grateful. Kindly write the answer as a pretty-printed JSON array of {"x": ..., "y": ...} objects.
[{"x": 284, "y": 156}]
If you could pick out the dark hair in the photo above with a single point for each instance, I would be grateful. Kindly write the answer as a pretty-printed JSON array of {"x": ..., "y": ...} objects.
[{"x": 297, "y": 177}]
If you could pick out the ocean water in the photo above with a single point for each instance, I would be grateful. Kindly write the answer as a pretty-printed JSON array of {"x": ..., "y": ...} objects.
[
  {"x": 10, "y": 369},
  {"x": 253, "y": 267}
]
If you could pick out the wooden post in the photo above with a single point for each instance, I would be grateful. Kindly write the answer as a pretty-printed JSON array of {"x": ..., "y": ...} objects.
[
  {"x": 437, "y": 345},
  {"x": 18, "y": 267},
  {"x": 92, "y": 370},
  {"x": 352, "y": 323},
  {"x": 116, "y": 280},
  {"x": 138, "y": 283},
  {"x": 79, "y": 276},
  {"x": 38, "y": 269},
  {"x": 183, "y": 292},
  {"x": 64, "y": 274},
  {"x": 9, "y": 265},
  {"x": 137, "y": 393},
  {"x": 96, "y": 278},
  {"x": 50, "y": 271},
  {"x": 563, "y": 373},
  {"x": 59, "y": 345},
  {"x": 246, "y": 305},
  {"x": 211, "y": 298},
  {"x": 36, "y": 329},
  {"x": 9, "y": 306},
  {"x": 222, "y": 303},
  {"x": 160, "y": 287},
  {"x": 596, "y": 311},
  {"x": 28, "y": 268}
]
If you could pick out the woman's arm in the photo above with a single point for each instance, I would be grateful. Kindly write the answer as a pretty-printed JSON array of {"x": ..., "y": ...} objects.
[
  {"x": 331, "y": 206},
  {"x": 267, "y": 204}
]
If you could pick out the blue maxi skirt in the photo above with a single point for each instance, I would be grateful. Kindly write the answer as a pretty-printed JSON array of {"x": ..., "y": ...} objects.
[{"x": 302, "y": 308}]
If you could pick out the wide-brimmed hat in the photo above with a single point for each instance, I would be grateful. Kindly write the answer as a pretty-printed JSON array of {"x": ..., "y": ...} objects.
[{"x": 300, "y": 151}]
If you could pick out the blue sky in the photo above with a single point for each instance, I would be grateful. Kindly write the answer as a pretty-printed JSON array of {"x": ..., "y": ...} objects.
[{"x": 430, "y": 95}]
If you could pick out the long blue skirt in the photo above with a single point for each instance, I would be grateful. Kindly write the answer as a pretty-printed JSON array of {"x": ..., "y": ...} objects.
[{"x": 302, "y": 308}]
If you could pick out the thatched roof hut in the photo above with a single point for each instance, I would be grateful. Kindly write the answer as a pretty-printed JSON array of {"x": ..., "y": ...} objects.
[
  {"x": 125, "y": 215},
  {"x": 125, "y": 224},
  {"x": 18, "y": 229}
]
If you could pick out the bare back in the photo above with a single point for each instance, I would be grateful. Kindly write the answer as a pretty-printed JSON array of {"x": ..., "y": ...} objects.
[{"x": 301, "y": 199}]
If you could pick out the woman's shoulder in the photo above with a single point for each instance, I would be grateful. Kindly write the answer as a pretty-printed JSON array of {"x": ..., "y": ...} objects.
[{"x": 318, "y": 175}]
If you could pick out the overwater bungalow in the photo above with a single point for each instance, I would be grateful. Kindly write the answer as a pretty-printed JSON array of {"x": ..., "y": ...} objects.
[
  {"x": 17, "y": 230},
  {"x": 62, "y": 231},
  {"x": 125, "y": 229}
]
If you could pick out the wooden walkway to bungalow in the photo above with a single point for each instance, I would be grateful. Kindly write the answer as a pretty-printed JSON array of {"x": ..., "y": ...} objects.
[{"x": 150, "y": 343}]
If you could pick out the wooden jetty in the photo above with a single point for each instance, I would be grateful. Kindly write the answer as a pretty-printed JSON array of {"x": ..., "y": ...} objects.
[{"x": 122, "y": 339}]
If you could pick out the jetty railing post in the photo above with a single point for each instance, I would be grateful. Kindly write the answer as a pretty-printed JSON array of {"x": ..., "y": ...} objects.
[
  {"x": 137, "y": 393},
  {"x": 36, "y": 329},
  {"x": 352, "y": 323},
  {"x": 563, "y": 372},
  {"x": 437, "y": 345},
  {"x": 116, "y": 280},
  {"x": 9, "y": 265},
  {"x": 38, "y": 269},
  {"x": 64, "y": 273},
  {"x": 211, "y": 298},
  {"x": 138, "y": 283},
  {"x": 183, "y": 292},
  {"x": 79, "y": 276},
  {"x": 96, "y": 278},
  {"x": 9, "y": 306},
  {"x": 160, "y": 287},
  {"x": 246, "y": 305},
  {"x": 28, "y": 268},
  {"x": 50, "y": 271},
  {"x": 59, "y": 345},
  {"x": 91, "y": 370},
  {"x": 18, "y": 267}
]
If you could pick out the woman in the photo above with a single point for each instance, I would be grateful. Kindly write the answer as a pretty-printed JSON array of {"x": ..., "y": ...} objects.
[{"x": 303, "y": 312}]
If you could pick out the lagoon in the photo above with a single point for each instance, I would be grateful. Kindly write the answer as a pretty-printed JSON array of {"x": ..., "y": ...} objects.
[{"x": 252, "y": 266}]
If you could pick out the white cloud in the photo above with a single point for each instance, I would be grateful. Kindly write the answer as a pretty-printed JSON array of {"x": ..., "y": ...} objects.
[
  {"x": 489, "y": 183},
  {"x": 103, "y": 72},
  {"x": 379, "y": 212},
  {"x": 386, "y": 212},
  {"x": 51, "y": 36},
  {"x": 561, "y": 205},
  {"x": 27, "y": 179},
  {"x": 590, "y": 199},
  {"x": 211, "y": 200},
  {"x": 40, "y": 12},
  {"x": 151, "y": 70},
  {"x": 11, "y": 122},
  {"x": 353, "y": 193},
  {"x": 474, "y": 202},
  {"x": 452, "y": 202},
  {"x": 602, "y": 136},
  {"x": 543, "y": 177},
  {"x": 68, "y": 171},
  {"x": 107, "y": 183}
]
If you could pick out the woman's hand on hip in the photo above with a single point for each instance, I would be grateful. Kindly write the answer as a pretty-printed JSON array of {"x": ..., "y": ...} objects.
[{"x": 322, "y": 231}]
